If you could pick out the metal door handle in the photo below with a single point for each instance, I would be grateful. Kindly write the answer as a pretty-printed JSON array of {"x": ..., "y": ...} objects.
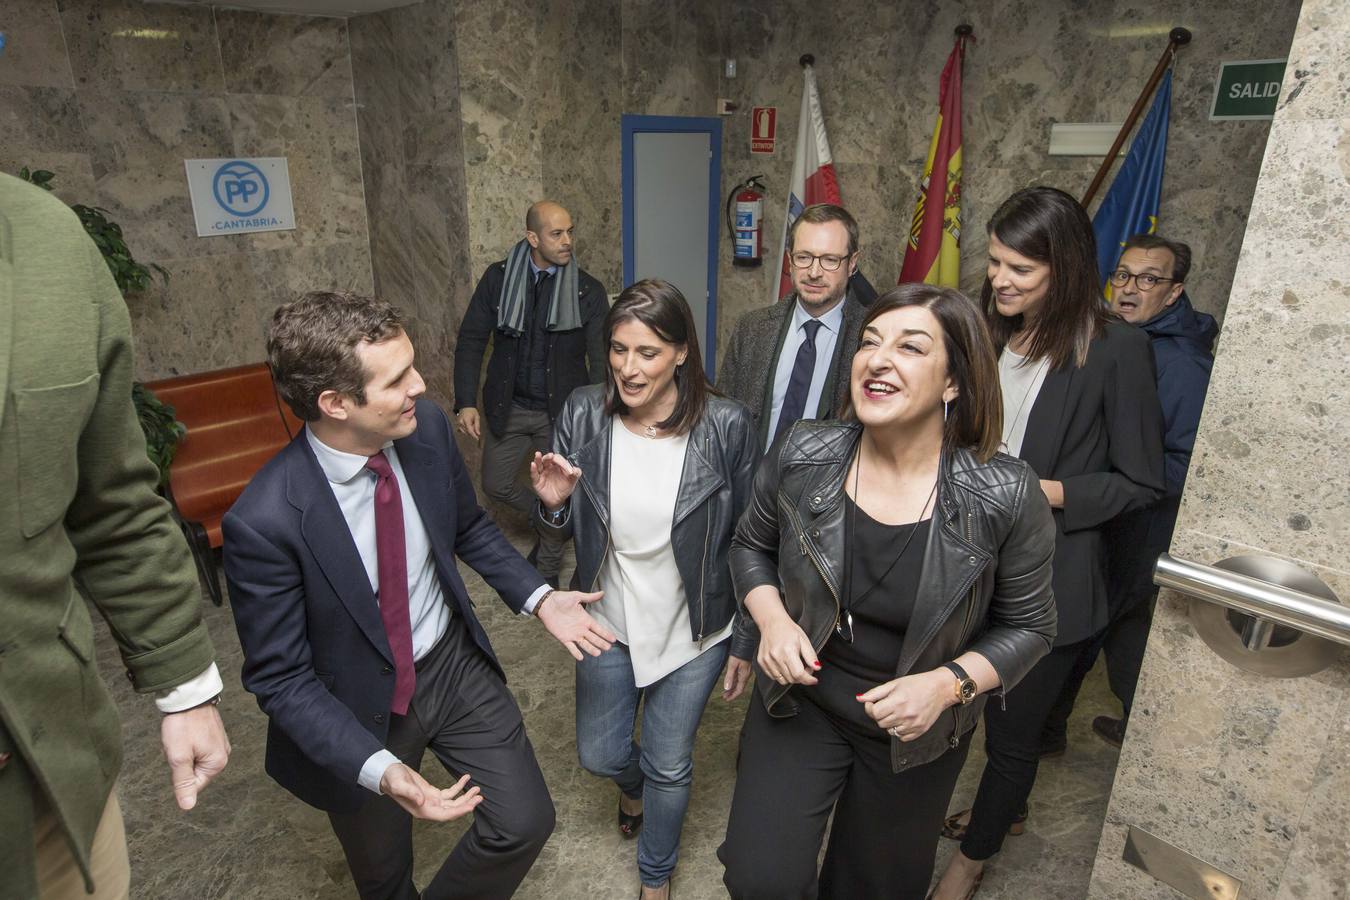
[{"x": 1274, "y": 591}]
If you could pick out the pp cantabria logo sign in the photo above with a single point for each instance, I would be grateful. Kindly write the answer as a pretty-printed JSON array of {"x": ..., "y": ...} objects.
[{"x": 234, "y": 196}]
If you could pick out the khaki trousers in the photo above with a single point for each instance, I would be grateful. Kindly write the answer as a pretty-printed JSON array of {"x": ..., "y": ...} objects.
[{"x": 58, "y": 874}]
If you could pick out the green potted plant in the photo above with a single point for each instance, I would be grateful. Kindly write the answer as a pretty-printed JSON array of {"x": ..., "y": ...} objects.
[{"x": 162, "y": 430}]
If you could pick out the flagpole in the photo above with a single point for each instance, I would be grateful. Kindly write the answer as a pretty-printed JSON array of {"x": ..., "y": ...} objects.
[{"x": 1178, "y": 37}]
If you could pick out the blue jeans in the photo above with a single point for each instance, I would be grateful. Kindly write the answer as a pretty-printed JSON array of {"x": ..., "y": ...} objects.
[{"x": 662, "y": 768}]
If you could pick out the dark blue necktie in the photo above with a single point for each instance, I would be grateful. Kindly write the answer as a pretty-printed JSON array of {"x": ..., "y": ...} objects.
[{"x": 799, "y": 385}]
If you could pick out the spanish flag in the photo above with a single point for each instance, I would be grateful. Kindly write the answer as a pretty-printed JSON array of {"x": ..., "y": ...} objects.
[{"x": 933, "y": 252}]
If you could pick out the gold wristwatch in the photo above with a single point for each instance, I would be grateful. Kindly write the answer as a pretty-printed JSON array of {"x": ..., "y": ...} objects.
[{"x": 966, "y": 689}]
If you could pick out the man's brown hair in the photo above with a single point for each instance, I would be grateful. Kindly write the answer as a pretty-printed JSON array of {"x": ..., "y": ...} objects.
[
  {"x": 819, "y": 214},
  {"x": 311, "y": 346}
]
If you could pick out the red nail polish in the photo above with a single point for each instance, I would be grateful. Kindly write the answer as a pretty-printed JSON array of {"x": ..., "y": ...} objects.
[
  {"x": 857, "y": 696},
  {"x": 816, "y": 664}
]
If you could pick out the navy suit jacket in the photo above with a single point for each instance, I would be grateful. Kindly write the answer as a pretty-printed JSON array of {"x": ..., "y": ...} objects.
[{"x": 315, "y": 651}]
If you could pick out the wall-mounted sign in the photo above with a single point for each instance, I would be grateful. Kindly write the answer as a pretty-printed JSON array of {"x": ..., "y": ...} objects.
[
  {"x": 1247, "y": 90},
  {"x": 234, "y": 196},
  {"x": 763, "y": 128}
]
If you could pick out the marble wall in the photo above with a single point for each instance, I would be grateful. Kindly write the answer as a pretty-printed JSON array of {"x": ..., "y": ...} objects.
[
  {"x": 112, "y": 95},
  {"x": 404, "y": 66},
  {"x": 542, "y": 117},
  {"x": 1246, "y": 772}
]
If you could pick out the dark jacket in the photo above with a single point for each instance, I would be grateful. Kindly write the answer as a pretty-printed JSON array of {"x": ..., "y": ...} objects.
[
  {"x": 719, "y": 463},
  {"x": 1183, "y": 345},
  {"x": 1182, "y": 342},
  {"x": 315, "y": 650},
  {"x": 985, "y": 583},
  {"x": 1098, "y": 430},
  {"x": 574, "y": 357},
  {"x": 749, "y": 365}
]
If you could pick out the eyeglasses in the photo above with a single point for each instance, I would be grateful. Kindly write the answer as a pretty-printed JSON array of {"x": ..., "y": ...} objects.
[
  {"x": 1143, "y": 280},
  {"x": 828, "y": 263}
]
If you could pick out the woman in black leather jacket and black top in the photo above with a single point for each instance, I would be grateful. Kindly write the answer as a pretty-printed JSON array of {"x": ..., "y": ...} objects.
[
  {"x": 665, "y": 468},
  {"x": 898, "y": 569}
]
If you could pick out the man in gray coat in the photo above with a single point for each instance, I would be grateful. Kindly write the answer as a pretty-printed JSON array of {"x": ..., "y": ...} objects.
[{"x": 805, "y": 342}]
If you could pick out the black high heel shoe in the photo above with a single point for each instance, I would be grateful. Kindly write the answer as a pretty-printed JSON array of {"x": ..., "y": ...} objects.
[{"x": 629, "y": 826}]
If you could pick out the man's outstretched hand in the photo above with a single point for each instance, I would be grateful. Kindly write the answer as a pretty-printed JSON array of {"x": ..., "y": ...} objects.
[
  {"x": 423, "y": 800},
  {"x": 564, "y": 615}
]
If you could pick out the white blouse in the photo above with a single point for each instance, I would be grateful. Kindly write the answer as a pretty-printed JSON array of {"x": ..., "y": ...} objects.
[
  {"x": 644, "y": 602},
  {"x": 1021, "y": 381}
]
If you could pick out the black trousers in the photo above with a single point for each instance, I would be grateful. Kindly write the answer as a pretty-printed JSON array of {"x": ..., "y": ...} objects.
[
  {"x": 1123, "y": 642},
  {"x": 1012, "y": 743},
  {"x": 462, "y": 710},
  {"x": 792, "y": 773}
]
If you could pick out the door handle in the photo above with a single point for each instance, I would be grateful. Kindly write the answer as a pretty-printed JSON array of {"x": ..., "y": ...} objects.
[{"x": 1260, "y": 613}]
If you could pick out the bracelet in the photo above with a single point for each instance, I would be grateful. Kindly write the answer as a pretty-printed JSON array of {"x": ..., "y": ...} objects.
[{"x": 538, "y": 607}]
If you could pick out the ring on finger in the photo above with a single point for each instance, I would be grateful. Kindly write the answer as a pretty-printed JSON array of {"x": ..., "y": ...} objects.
[{"x": 895, "y": 731}]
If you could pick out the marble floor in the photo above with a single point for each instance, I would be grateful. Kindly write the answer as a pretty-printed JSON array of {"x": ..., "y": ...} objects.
[{"x": 248, "y": 838}]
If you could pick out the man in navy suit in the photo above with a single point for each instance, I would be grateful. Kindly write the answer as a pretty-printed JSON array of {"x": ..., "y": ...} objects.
[{"x": 359, "y": 637}]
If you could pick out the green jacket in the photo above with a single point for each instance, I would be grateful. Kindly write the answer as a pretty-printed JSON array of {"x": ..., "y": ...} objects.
[{"x": 77, "y": 509}]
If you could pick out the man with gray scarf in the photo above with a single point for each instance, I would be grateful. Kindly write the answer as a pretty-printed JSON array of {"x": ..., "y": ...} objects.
[{"x": 545, "y": 318}]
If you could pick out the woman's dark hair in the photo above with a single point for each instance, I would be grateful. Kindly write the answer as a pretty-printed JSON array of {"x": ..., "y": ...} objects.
[
  {"x": 1049, "y": 226},
  {"x": 975, "y": 420},
  {"x": 661, "y": 307}
]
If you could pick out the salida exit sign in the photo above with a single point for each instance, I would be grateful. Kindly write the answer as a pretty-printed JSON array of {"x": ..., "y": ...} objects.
[{"x": 1247, "y": 90}]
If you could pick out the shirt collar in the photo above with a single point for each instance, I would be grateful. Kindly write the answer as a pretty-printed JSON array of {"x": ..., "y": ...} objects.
[
  {"x": 833, "y": 320},
  {"x": 535, "y": 270},
  {"x": 338, "y": 466}
]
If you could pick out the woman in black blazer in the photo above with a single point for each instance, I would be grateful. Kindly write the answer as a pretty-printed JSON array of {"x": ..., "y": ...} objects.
[{"x": 1081, "y": 406}]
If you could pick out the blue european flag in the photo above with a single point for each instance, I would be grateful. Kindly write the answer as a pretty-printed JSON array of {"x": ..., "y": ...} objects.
[{"x": 1131, "y": 206}]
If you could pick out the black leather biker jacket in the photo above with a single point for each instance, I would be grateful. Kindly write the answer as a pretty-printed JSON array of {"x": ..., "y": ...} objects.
[
  {"x": 714, "y": 488},
  {"x": 985, "y": 584}
]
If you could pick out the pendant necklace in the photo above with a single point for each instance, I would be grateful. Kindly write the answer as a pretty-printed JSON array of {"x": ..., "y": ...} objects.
[{"x": 843, "y": 626}]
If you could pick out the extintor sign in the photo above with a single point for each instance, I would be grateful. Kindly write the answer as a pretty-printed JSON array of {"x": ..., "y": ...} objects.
[
  {"x": 763, "y": 128},
  {"x": 235, "y": 196}
]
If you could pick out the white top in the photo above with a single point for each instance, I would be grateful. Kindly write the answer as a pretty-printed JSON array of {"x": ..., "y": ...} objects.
[
  {"x": 644, "y": 602},
  {"x": 1021, "y": 385},
  {"x": 826, "y": 338}
]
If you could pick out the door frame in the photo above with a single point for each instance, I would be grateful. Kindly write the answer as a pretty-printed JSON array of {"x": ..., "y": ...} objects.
[{"x": 712, "y": 126}]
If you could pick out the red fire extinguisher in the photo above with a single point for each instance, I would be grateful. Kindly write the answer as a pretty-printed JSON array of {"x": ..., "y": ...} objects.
[{"x": 747, "y": 225}]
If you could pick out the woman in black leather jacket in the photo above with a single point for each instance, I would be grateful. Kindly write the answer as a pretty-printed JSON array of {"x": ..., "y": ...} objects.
[
  {"x": 665, "y": 468},
  {"x": 898, "y": 569}
]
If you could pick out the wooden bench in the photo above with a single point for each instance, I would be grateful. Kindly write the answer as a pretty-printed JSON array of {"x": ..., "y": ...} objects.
[{"x": 235, "y": 423}]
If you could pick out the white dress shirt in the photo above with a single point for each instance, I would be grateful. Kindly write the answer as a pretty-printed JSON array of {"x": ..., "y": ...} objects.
[
  {"x": 353, "y": 487},
  {"x": 827, "y": 337}
]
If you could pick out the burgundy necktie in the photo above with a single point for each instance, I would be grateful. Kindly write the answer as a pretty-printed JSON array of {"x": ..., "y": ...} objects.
[{"x": 391, "y": 553}]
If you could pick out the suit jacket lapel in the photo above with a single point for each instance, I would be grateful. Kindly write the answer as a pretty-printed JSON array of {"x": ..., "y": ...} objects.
[
  {"x": 779, "y": 335},
  {"x": 1045, "y": 425},
  {"x": 426, "y": 483},
  {"x": 325, "y": 533},
  {"x": 841, "y": 363}
]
